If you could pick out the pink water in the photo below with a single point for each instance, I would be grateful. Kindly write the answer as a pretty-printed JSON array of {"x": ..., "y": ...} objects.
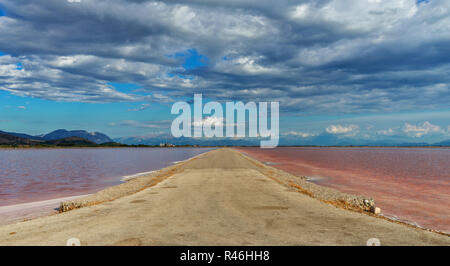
[
  {"x": 29, "y": 175},
  {"x": 410, "y": 184}
]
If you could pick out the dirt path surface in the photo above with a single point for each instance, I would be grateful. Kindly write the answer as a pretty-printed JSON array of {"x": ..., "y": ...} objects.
[{"x": 220, "y": 198}]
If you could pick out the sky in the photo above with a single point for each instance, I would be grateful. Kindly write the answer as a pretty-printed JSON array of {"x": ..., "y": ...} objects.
[{"x": 362, "y": 71}]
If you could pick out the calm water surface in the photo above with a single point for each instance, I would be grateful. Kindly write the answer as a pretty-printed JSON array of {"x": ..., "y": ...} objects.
[
  {"x": 28, "y": 175},
  {"x": 409, "y": 184}
]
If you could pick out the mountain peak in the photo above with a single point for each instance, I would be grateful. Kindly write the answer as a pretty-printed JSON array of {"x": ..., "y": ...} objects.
[{"x": 96, "y": 137}]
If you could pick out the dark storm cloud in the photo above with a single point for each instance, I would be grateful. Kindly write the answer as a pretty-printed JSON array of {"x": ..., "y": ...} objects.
[{"x": 327, "y": 56}]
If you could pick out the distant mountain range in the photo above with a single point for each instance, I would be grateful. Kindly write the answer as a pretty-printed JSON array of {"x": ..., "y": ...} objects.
[
  {"x": 64, "y": 137},
  {"x": 21, "y": 138},
  {"x": 319, "y": 140}
]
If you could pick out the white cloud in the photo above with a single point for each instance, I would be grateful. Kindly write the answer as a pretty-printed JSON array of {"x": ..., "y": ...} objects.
[
  {"x": 22, "y": 107},
  {"x": 245, "y": 66},
  {"x": 349, "y": 130},
  {"x": 299, "y": 134},
  {"x": 300, "y": 11},
  {"x": 387, "y": 132},
  {"x": 209, "y": 121},
  {"x": 421, "y": 130}
]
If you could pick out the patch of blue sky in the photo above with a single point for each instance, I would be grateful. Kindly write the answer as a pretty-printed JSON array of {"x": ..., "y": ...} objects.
[
  {"x": 195, "y": 60},
  {"x": 192, "y": 59},
  {"x": 422, "y": 1}
]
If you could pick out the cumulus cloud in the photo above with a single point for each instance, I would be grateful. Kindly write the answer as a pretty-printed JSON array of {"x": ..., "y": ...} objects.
[
  {"x": 349, "y": 130},
  {"x": 209, "y": 122},
  {"x": 421, "y": 130},
  {"x": 336, "y": 56},
  {"x": 299, "y": 134}
]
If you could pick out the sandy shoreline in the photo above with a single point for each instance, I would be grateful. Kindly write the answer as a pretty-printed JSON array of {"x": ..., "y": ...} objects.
[{"x": 218, "y": 198}]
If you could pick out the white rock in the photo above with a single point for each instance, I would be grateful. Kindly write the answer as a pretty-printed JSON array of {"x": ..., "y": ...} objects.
[{"x": 377, "y": 210}]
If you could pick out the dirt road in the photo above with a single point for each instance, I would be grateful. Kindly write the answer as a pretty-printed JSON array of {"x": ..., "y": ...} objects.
[{"x": 217, "y": 199}]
